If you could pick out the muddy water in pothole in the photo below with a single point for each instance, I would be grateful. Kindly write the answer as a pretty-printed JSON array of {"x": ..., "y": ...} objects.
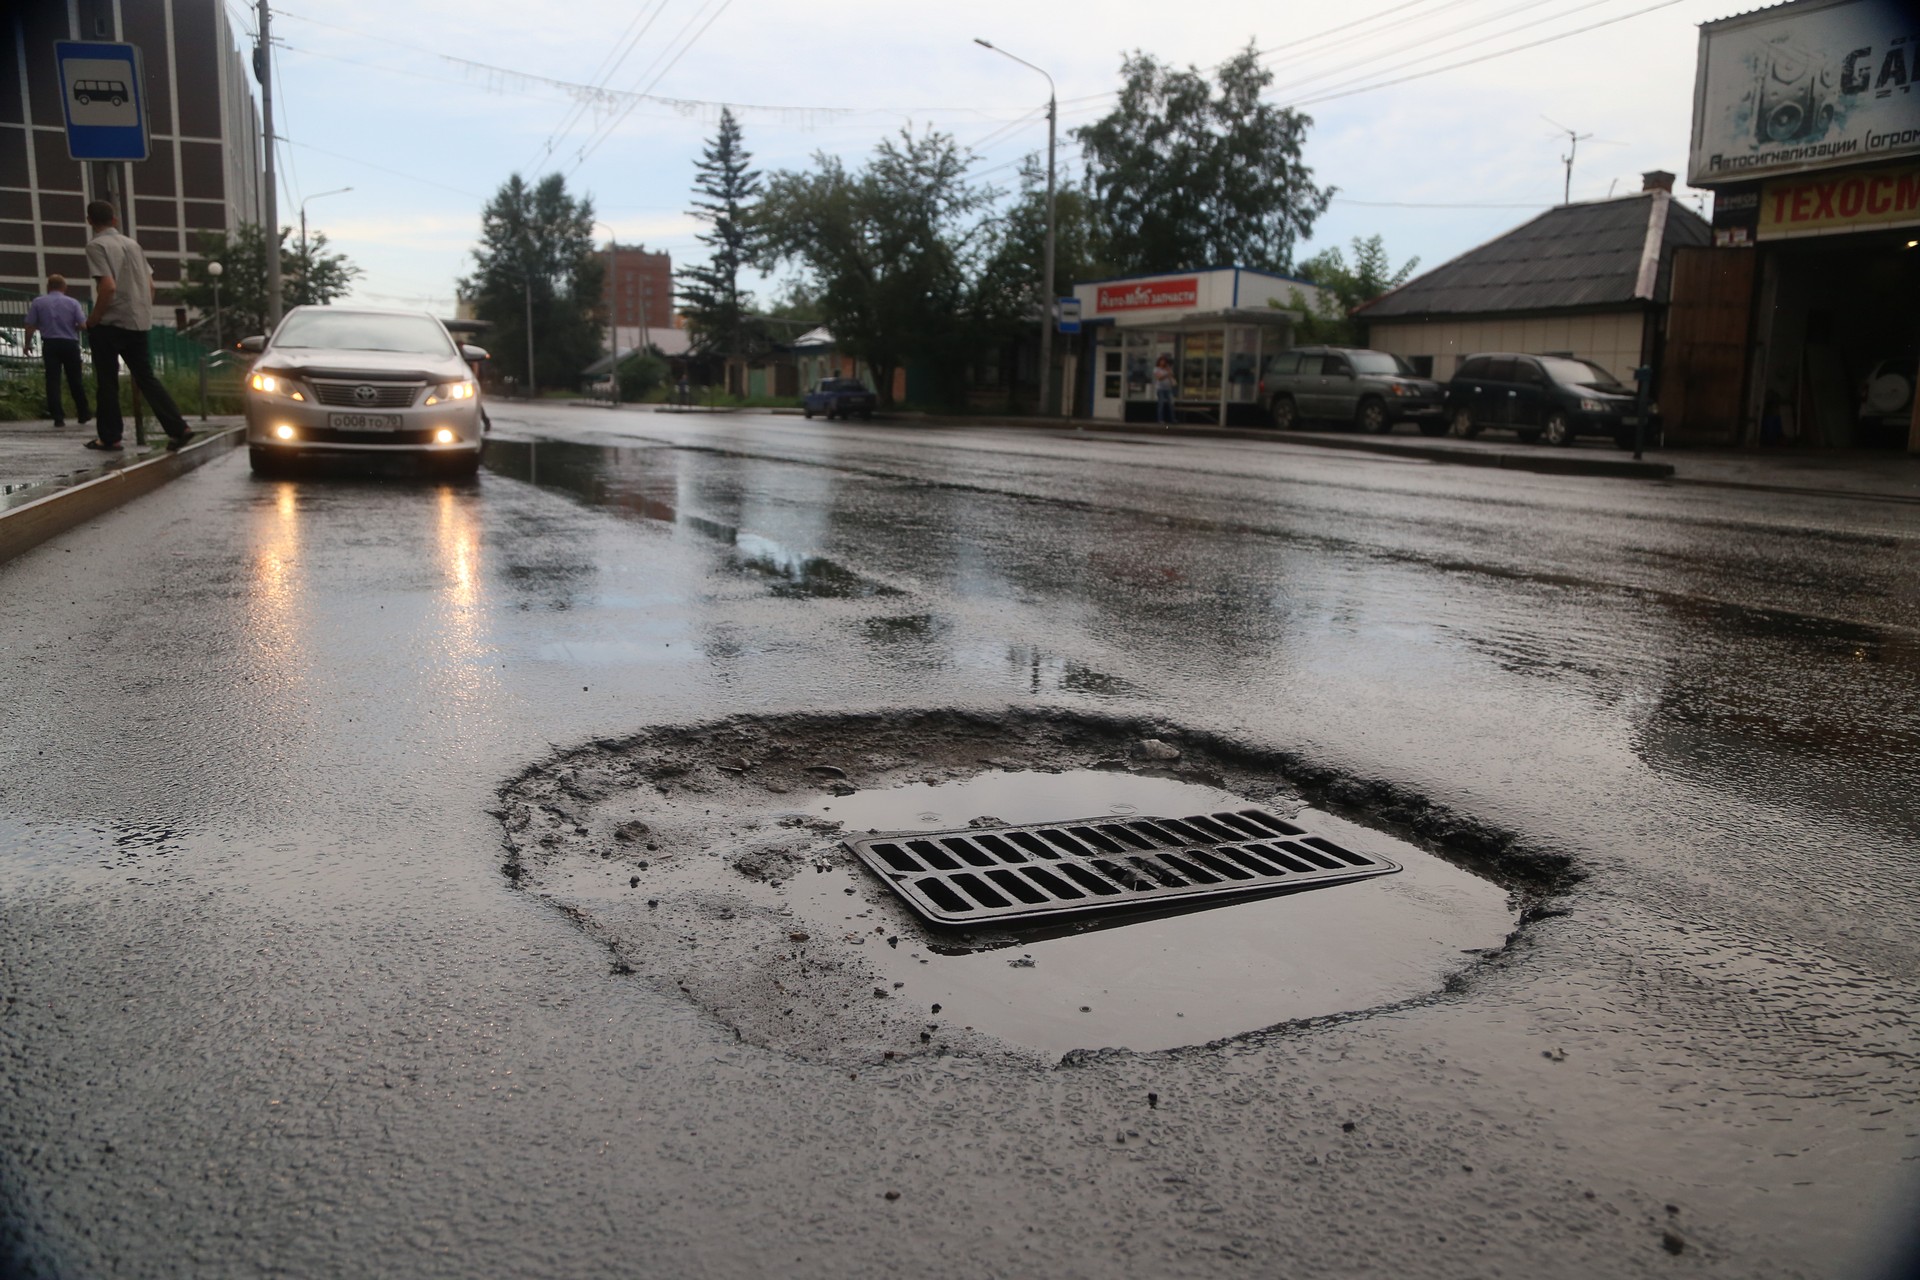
[{"x": 1161, "y": 981}]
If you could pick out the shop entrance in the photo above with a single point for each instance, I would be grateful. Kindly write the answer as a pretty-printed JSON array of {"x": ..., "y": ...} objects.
[
  {"x": 1215, "y": 369},
  {"x": 1841, "y": 332}
]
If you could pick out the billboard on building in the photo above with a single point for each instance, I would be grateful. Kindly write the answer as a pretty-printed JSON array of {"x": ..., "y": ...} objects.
[{"x": 1805, "y": 86}]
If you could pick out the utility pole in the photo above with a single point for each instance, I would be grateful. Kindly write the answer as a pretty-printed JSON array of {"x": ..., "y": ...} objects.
[
  {"x": 531, "y": 384},
  {"x": 1573, "y": 148},
  {"x": 306, "y": 263},
  {"x": 1046, "y": 270},
  {"x": 263, "y": 72},
  {"x": 613, "y": 313}
]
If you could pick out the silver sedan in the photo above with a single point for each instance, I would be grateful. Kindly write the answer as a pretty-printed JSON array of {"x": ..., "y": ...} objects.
[{"x": 359, "y": 381}]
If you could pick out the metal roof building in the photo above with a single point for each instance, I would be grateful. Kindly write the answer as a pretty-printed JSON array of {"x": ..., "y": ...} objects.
[{"x": 1589, "y": 279}]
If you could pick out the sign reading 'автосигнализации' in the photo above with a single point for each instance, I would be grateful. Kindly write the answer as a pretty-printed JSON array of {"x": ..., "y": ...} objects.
[{"x": 1806, "y": 86}]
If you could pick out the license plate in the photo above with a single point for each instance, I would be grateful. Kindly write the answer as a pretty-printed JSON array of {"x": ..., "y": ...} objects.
[{"x": 364, "y": 421}]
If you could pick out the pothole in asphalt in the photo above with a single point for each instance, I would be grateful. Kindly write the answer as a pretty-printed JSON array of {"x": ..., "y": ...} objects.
[{"x": 709, "y": 858}]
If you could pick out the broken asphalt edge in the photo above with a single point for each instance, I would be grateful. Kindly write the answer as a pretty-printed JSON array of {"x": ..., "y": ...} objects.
[{"x": 27, "y": 526}]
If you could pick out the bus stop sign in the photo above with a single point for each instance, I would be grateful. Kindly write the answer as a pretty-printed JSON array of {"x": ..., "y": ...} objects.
[
  {"x": 102, "y": 92},
  {"x": 1068, "y": 312}
]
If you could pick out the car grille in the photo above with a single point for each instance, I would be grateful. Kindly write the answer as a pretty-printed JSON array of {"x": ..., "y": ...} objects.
[{"x": 386, "y": 395}]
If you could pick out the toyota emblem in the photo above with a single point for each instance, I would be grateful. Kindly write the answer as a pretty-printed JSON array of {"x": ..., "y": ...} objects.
[{"x": 365, "y": 394}]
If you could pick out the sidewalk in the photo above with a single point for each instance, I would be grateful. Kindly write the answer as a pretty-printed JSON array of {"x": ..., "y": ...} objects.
[
  {"x": 1876, "y": 475},
  {"x": 50, "y": 482},
  {"x": 1857, "y": 473},
  {"x": 36, "y": 459}
]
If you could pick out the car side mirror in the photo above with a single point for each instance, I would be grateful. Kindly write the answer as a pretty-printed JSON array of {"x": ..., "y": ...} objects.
[
  {"x": 255, "y": 344},
  {"x": 472, "y": 354}
]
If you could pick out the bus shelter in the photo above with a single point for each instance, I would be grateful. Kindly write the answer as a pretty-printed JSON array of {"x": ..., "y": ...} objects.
[{"x": 1218, "y": 329}]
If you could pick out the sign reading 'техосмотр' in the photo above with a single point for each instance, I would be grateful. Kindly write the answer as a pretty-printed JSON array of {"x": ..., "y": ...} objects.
[{"x": 1821, "y": 204}]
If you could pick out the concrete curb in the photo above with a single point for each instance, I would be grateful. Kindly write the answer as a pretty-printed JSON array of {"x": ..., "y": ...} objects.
[
  {"x": 27, "y": 526},
  {"x": 1543, "y": 461},
  {"x": 1558, "y": 464}
]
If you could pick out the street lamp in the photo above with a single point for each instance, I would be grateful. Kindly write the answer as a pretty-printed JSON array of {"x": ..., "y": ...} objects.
[
  {"x": 213, "y": 274},
  {"x": 613, "y": 312},
  {"x": 305, "y": 265},
  {"x": 1046, "y": 281}
]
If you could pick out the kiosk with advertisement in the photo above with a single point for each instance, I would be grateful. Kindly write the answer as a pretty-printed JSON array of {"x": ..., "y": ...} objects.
[
  {"x": 1218, "y": 326},
  {"x": 1799, "y": 327}
]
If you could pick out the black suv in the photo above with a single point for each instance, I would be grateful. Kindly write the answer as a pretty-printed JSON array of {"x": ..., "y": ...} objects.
[
  {"x": 1556, "y": 397},
  {"x": 1371, "y": 389}
]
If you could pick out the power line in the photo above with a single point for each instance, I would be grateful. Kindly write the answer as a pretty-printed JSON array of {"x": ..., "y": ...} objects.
[
  {"x": 608, "y": 130},
  {"x": 591, "y": 93},
  {"x": 1432, "y": 204},
  {"x": 1374, "y": 59},
  {"x": 289, "y": 177},
  {"x": 1485, "y": 57},
  {"x": 398, "y": 173},
  {"x": 623, "y": 48},
  {"x": 1294, "y": 48}
]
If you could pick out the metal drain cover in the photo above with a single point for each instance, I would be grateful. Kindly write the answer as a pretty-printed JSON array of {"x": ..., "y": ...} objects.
[{"x": 1100, "y": 864}]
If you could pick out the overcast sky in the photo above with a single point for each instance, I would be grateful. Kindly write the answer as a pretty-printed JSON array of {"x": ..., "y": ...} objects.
[{"x": 370, "y": 96}]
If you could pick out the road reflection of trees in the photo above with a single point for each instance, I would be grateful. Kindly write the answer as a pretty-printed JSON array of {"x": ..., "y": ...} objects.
[{"x": 1781, "y": 707}]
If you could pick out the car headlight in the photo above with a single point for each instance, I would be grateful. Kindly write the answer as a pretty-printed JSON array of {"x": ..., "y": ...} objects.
[
  {"x": 276, "y": 384},
  {"x": 462, "y": 390},
  {"x": 1595, "y": 406}
]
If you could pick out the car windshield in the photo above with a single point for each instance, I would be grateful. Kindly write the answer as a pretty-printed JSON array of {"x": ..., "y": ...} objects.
[
  {"x": 364, "y": 331},
  {"x": 842, "y": 384},
  {"x": 1379, "y": 362},
  {"x": 1579, "y": 373}
]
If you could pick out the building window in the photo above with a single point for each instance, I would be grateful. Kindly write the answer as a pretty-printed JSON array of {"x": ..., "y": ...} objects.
[{"x": 1422, "y": 365}]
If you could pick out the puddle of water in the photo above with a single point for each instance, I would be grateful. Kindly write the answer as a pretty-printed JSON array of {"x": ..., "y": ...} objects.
[
  {"x": 635, "y": 482},
  {"x": 1159, "y": 981}
]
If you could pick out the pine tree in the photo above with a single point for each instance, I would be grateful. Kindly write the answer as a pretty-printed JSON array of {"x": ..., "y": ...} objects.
[
  {"x": 536, "y": 253},
  {"x": 716, "y": 309}
]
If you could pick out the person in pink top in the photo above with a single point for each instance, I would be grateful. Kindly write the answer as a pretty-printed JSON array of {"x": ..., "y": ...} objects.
[{"x": 58, "y": 320}]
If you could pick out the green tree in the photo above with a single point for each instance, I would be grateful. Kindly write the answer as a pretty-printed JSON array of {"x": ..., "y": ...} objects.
[
  {"x": 1184, "y": 174},
  {"x": 640, "y": 373},
  {"x": 315, "y": 277},
  {"x": 320, "y": 277},
  {"x": 892, "y": 254},
  {"x": 1013, "y": 271},
  {"x": 538, "y": 241},
  {"x": 1345, "y": 286},
  {"x": 718, "y": 313}
]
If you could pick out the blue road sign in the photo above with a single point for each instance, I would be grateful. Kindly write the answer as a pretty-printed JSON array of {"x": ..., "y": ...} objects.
[
  {"x": 1069, "y": 312},
  {"x": 101, "y": 89}
]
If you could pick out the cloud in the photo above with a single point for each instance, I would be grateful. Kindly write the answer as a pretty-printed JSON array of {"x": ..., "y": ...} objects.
[{"x": 1471, "y": 135}]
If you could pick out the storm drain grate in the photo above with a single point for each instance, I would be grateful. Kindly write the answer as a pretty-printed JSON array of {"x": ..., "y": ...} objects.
[{"x": 1100, "y": 864}]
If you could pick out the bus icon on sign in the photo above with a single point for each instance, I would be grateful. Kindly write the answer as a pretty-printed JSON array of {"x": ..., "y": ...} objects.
[
  {"x": 87, "y": 92},
  {"x": 104, "y": 99}
]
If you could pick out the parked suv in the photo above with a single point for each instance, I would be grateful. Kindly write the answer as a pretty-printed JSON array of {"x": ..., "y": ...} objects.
[
  {"x": 1371, "y": 389},
  {"x": 1555, "y": 397}
]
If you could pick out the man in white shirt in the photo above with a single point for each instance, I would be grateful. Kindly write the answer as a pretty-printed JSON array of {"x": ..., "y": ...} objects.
[{"x": 122, "y": 314}]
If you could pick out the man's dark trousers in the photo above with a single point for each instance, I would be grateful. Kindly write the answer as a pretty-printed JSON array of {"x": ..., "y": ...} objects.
[
  {"x": 111, "y": 345},
  {"x": 59, "y": 354}
]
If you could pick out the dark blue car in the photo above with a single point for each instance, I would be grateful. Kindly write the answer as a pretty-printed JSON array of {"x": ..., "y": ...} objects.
[{"x": 839, "y": 398}]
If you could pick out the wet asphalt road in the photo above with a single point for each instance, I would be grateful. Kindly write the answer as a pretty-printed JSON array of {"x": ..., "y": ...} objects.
[{"x": 272, "y": 1008}]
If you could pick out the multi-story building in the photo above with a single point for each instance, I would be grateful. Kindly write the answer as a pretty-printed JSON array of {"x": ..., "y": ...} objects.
[
  {"x": 639, "y": 295},
  {"x": 203, "y": 169}
]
